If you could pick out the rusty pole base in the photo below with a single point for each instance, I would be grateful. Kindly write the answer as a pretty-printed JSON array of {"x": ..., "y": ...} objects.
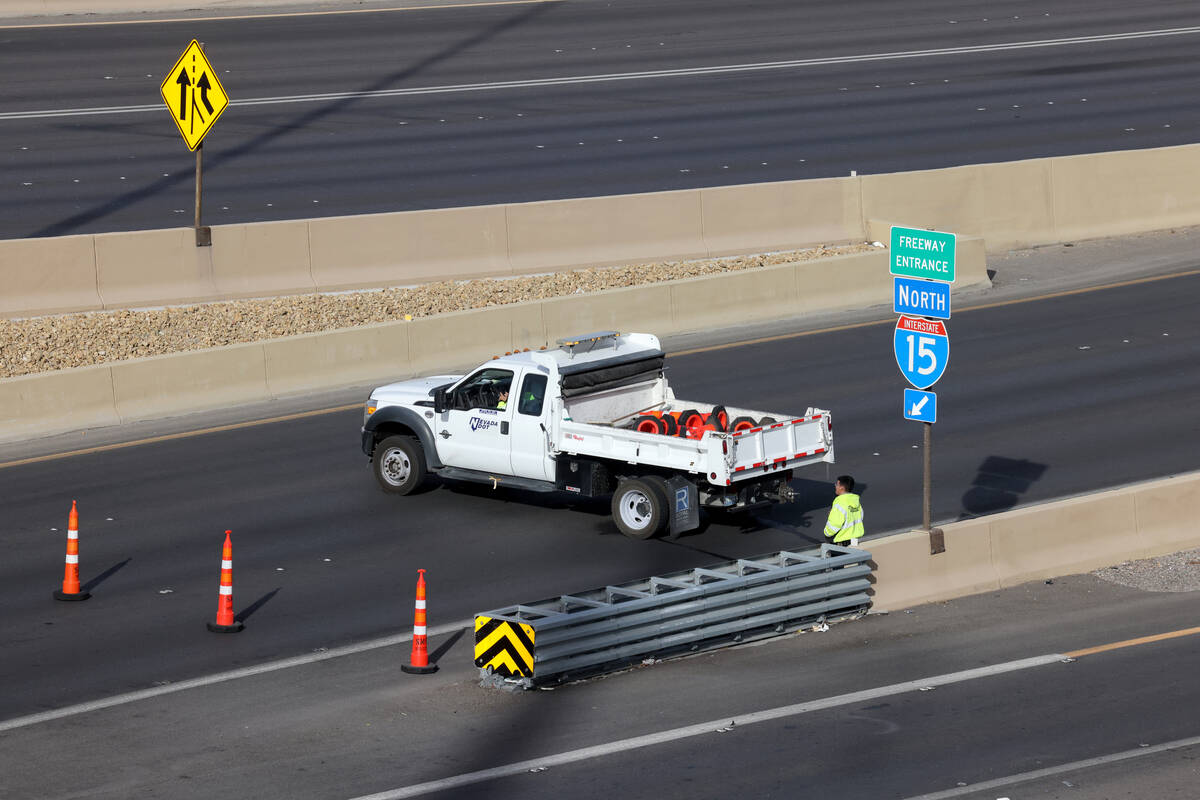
[{"x": 937, "y": 541}]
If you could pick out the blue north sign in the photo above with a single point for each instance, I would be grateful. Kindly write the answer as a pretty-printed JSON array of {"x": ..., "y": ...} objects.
[{"x": 921, "y": 298}]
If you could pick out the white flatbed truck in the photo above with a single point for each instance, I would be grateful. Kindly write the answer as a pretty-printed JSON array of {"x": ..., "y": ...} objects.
[{"x": 568, "y": 425}]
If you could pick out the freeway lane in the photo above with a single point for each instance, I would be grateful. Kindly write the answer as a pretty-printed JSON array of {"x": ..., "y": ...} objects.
[
  {"x": 356, "y": 726},
  {"x": 348, "y": 153},
  {"x": 1042, "y": 399}
]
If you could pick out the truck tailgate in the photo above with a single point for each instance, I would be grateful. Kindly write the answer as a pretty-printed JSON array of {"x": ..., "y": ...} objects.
[{"x": 781, "y": 445}]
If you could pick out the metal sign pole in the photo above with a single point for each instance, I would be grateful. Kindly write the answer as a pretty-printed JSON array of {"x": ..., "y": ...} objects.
[
  {"x": 203, "y": 233},
  {"x": 937, "y": 539},
  {"x": 928, "y": 494}
]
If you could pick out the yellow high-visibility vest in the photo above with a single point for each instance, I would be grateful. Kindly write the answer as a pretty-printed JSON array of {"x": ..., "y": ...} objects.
[{"x": 845, "y": 519}]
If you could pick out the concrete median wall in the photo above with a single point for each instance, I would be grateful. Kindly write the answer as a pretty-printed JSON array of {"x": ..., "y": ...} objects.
[
  {"x": 1007, "y": 205},
  {"x": 1079, "y": 534},
  {"x": 164, "y": 386}
]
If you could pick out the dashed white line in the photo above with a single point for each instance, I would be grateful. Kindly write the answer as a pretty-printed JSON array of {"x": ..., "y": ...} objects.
[{"x": 625, "y": 76}]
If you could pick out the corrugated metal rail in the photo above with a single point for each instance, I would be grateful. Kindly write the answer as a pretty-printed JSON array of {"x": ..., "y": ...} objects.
[{"x": 612, "y": 627}]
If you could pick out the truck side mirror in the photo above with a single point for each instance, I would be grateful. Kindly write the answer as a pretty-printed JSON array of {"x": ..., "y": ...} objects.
[{"x": 439, "y": 399}]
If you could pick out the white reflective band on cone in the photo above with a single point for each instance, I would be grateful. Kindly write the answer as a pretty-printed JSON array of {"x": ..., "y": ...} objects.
[
  {"x": 418, "y": 630},
  {"x": 225, "y": 589},
  {"x": 72, "y": 559},
  {"x": 226, "y": 565},
  {"x": 72, "y": 534},
  {"x": 420, "y": 604}
]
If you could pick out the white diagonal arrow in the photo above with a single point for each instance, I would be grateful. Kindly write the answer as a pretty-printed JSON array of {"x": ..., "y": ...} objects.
[{"x": 917, "y": 406}]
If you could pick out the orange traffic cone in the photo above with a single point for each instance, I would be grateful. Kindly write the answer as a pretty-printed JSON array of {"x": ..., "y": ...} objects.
[
  {"x": 226, "y": 623},
  {"x": 70, "y": 587},
  {"x": 420, "y": 649}
]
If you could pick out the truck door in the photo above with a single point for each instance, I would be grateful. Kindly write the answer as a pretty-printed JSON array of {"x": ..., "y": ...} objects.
[
  {"x": 473, "y": 433},
  {"x": 530, "y": 448}
]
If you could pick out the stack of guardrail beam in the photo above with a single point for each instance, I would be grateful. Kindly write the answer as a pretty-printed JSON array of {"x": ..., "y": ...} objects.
[{"x": 612, "y": 627}]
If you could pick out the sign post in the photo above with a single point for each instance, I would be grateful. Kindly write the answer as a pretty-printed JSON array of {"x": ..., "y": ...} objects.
[
  {"x": 194, "y": 96},
  {"x": 923, "y": 263}
]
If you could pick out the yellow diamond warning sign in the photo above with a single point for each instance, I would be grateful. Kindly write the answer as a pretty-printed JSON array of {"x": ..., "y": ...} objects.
[{"x": 193, "y": 95}]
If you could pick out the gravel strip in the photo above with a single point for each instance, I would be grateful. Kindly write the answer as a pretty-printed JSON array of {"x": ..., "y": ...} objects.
[
  {"x": 42, "y": 344},
  {"x": 1177, "y": 572}
]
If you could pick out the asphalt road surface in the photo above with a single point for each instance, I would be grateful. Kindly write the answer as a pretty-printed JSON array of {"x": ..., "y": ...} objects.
[
  {"x": 992, "y": 709},
  {"x": 350, "y": 114},
  {"x": 1042, "y": 399}
]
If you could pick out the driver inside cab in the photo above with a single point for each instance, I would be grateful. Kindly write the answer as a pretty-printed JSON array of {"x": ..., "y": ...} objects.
[{"x": 502, "y": 387}]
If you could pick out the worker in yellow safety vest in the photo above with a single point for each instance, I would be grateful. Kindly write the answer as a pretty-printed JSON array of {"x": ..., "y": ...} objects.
[{"x": 845, "y": 523}]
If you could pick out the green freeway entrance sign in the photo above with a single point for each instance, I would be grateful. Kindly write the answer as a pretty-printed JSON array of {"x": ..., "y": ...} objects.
[{"x": 922, "y": 254}]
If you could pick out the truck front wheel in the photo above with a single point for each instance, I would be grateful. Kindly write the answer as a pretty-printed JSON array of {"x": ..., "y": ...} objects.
[
  {"x": 399, "y": 464},
  {"x": 639, "y": 507}
]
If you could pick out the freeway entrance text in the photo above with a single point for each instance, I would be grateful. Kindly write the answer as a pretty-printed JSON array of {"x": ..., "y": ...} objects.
[{"x": 915, "y": 253}]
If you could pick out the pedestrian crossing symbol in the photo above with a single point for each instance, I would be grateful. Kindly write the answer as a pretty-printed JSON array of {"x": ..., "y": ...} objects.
[{"x": 193, "y": 95}]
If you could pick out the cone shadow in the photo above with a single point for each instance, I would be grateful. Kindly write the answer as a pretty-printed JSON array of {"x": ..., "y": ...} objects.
[
  {"x": 445, "y": 646},
  {"x": 245, "y": 613},
  {"x": 103, "y": 576}
]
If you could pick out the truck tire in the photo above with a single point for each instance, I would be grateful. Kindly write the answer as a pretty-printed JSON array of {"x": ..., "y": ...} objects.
[
  {"x": 639, "y": 508},
  {"x": 399, "y": 464}
]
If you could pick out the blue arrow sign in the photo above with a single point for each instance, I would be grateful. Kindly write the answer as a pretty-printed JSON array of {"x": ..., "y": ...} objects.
[
  {"x": 920, "y": 406},
  {"x": 921, "y": 298},
  {"x": 922, "y": 349}
]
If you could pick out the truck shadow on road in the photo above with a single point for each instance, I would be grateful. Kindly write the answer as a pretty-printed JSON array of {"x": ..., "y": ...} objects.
[
  {"x": 805, "y": 516},
  {"x": 595, "y": 506}
]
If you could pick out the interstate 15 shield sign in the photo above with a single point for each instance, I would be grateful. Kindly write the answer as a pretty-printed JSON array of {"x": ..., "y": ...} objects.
[{"x": 922, "y": 349}]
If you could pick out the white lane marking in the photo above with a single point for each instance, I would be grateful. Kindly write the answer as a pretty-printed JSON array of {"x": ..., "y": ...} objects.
[
  {"x": 621, "y": 76},
  {"x": 221, "y": 677},
  {"x": 723, "y": 724},
  {"x": 1086, "y": 763}
]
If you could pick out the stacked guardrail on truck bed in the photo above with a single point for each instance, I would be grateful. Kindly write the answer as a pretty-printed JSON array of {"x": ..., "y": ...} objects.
[{"x": 615, "y": 626}]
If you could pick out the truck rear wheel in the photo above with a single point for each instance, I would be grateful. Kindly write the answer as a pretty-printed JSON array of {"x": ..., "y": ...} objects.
[
  {"x": 639, "y": 507},
  {"x": 399, "y": 464}
]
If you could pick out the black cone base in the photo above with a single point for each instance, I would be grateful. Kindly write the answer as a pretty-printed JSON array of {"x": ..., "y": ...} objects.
[
  {"x": 61, "y": 595},
  {"x": 415, "y": 670},
  {"x": 234, "y": 628}
]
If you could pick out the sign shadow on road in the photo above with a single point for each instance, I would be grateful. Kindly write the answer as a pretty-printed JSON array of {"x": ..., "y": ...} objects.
[{"x": 998, "y": 485}]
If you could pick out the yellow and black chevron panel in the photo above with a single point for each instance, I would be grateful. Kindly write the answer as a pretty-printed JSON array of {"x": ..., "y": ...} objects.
[{"x": 506, "y": 647}]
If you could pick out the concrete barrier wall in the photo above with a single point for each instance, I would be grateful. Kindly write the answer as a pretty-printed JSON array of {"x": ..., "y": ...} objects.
[
  {"x": 1007, "y": 205},
  {"x": 603, "y": 231},
  {"x": 48, "y": 276},
  {"x": 376, "y": 250},
  {"x": 1111, "y": 194},
  {"x": 1079, "y": 534},
  {"x": 788, "y": 215}
]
